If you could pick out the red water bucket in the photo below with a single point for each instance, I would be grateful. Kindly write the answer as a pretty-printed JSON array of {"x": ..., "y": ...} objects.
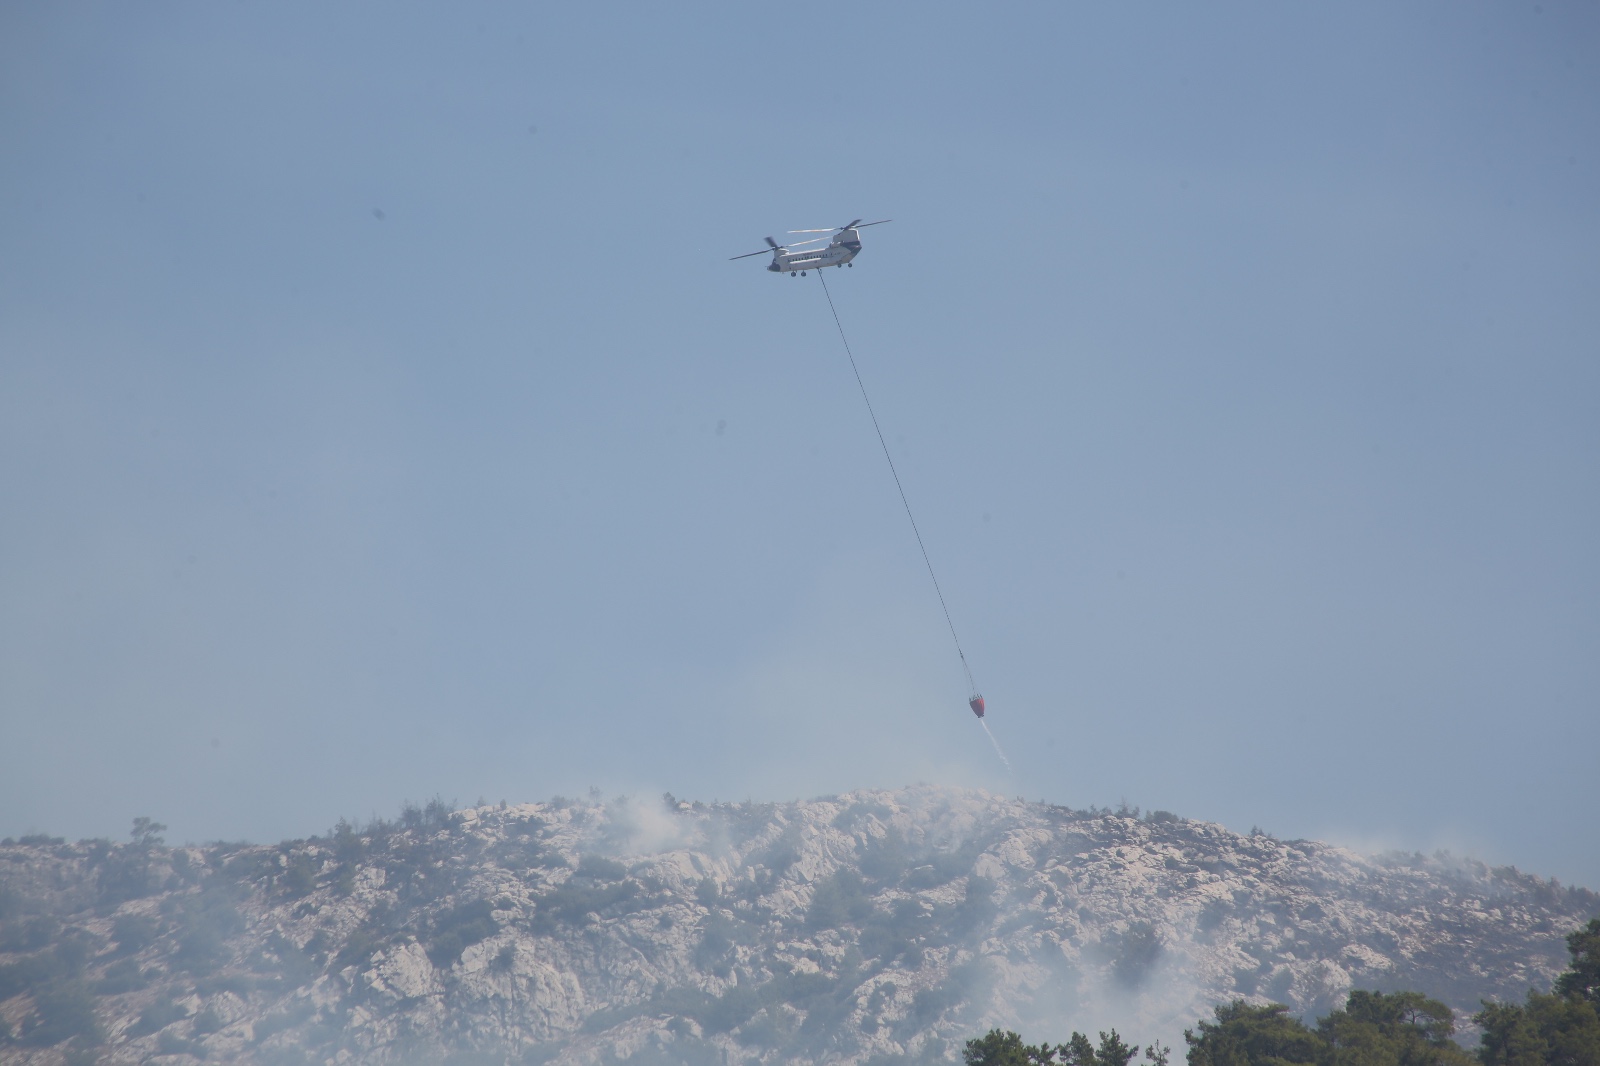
[{"x": 976, "y": 703}]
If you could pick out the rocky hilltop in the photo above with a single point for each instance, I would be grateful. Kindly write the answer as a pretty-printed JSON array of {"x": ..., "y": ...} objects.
[{"x": 878, "y": 926}]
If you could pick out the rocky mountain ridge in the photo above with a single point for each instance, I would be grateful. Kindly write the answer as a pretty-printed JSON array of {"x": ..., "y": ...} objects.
[{"x": 879, "y": 927}]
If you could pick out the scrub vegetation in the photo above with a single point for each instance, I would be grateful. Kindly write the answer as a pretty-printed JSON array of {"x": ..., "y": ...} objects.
[
  {"x": 745, "y": 933},
  {"x": 1558, "y": 1028}
]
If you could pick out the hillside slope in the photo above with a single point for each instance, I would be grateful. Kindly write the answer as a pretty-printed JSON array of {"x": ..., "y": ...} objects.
[{"x": 879, "y": 924}]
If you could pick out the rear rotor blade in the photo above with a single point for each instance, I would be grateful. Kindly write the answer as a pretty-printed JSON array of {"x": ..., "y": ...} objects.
[
  {"x": 857, "y": 224},
  {"x": 777, "y": 248}
]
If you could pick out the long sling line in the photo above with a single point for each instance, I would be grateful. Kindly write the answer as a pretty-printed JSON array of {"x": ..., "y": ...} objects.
[{"x": 971, "y": 685}]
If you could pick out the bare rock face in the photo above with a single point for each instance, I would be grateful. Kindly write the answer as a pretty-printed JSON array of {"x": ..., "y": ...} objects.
[{"x": 882, "y": 927}]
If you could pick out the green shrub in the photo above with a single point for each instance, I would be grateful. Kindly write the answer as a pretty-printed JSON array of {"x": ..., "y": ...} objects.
[
  {"x": 30, "y": 934},
  {"x": 770, "y": 1028},
  {"x": 458, "y": 929},
  {"x": 973, "y": 915},
  {"x": 29, "y": 973},
  {"x": 300, "y": 879},
  {"x": 238, "y": 984},
  {"x": 121, "y": 976},
  {"x": 281, "y": 1020},
  {"x": 64, "y": 1010},
  {"x": 123, "y": 874},
  {"x": 201, "y": 950},
  {"x": 888, "y": 937},
  {"x": 571, "y": 902},
  {"x": 160, "y": 1014},
  {"x": 327, "y": 1029},
  {"x": 929, "y": 1003},
  {"x": 134, "y": 932},
  {"x": 600, "y": 868},
  {"x": 208, "y": 1021},
  {"x": 170, "y": 1043},
  {"x": 206, "y": 921},
  {"x": 430, "y": 818},
  {"x": 886, "y": 860},
  {"x": 358, "y": 948},
  {"x": 284, "y": 1056},
  {"x": 1137, "y": 952},
  {"x": 730, "y": 1010},
  {"x": 74, "y": 948},
  {"x": 348, "y": 847},
  {"x": 840, "y": 899},
  {"x": 721, "y": 934},
  {"x": 252, "y": 865},
  {"x": 294, "y": 965}
]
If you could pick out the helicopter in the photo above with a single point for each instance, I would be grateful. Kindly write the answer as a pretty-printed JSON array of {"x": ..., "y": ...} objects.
[{"x": 843, "y": 246}]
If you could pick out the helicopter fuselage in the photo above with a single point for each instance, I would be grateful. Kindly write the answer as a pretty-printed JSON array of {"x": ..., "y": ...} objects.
[
  {"x": 844, "y": 246},
  {"x": 839, "y": 252}
]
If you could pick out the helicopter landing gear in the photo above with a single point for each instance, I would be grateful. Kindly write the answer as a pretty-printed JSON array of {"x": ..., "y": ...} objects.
[
  {"x": 802, "y": 273},
  {"x": 791, "y": 273},
  {"x": 852, "y": 266}
]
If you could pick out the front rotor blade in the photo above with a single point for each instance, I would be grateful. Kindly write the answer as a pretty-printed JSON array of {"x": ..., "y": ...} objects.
[
  {"x": 830, "y": 229},
  {"x": 747, "y": 255},
  {"x": 880, "y": 222}
]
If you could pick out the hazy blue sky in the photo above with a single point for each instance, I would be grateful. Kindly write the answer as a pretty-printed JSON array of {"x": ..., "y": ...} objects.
[{"x": 380, "y": 415}]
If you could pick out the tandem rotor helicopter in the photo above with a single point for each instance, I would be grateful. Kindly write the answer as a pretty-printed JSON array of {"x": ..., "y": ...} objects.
[{"x": 844, "y": 246}]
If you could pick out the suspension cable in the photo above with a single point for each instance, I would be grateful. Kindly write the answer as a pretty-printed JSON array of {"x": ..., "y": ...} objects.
[{"x": 972, "y": 686}]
